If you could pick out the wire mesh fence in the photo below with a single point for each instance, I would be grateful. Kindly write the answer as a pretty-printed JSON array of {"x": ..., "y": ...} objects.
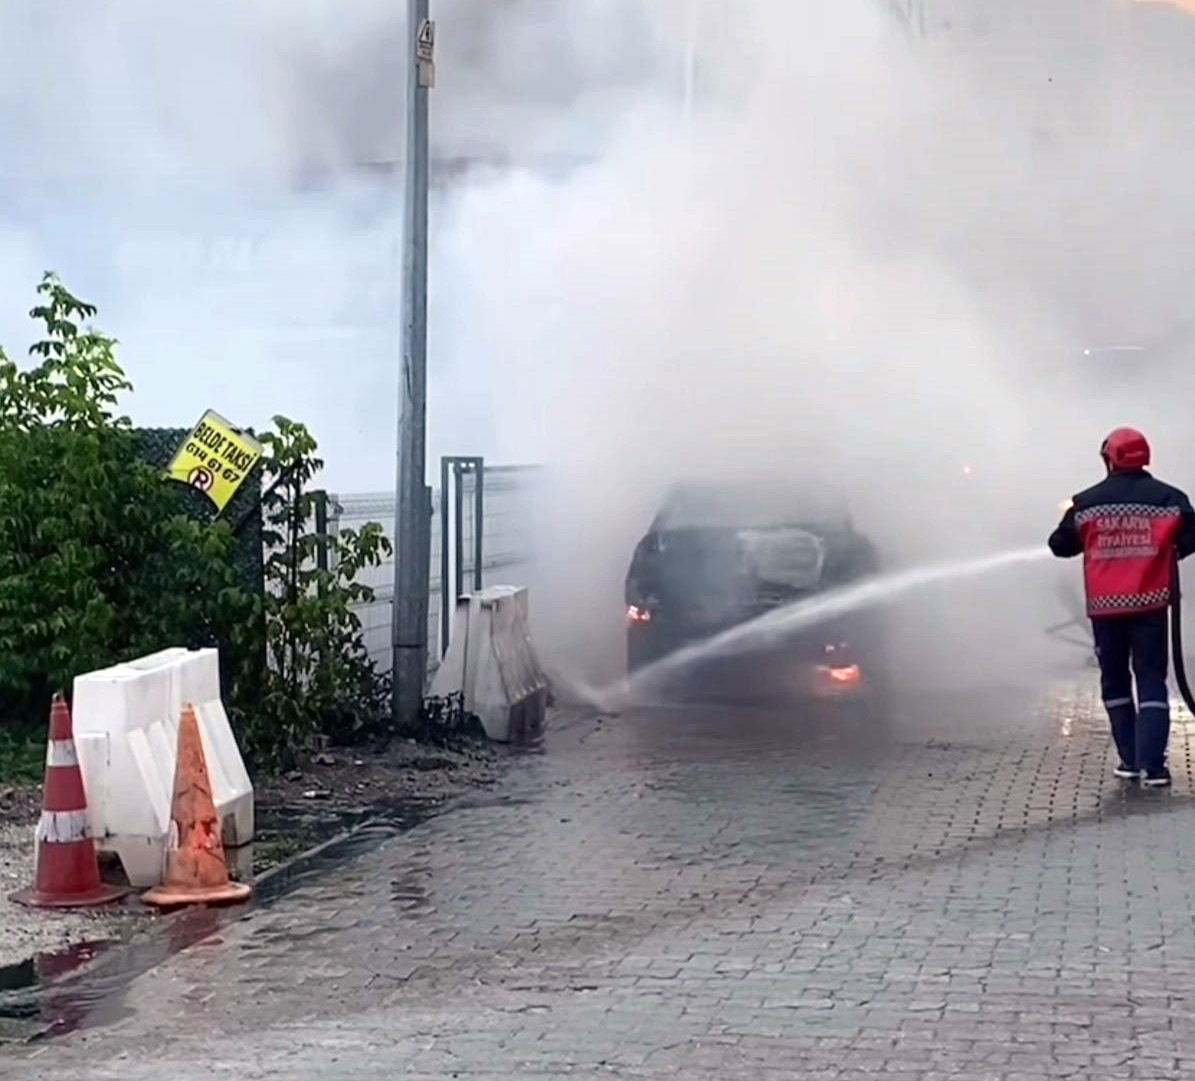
[{"x": 508, "y": 535}]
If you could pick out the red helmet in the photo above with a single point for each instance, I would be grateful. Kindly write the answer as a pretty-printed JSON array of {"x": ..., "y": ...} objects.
[{"x": 1125, "y": 448}]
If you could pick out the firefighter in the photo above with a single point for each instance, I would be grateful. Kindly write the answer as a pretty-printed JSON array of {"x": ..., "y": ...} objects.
[{"x": 1129, "y": 528}]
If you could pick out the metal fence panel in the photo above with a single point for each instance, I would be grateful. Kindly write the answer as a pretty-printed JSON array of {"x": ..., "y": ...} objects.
[
  {"x": 508, "y": 526},
  {"x": 508, "y": 535}
]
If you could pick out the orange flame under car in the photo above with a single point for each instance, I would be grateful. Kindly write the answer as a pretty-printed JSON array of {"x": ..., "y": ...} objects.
[{"x": 846, "y": 674}]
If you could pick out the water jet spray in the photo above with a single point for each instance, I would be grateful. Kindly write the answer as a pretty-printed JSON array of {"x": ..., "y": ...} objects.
[{"x": 772, "y": 627}]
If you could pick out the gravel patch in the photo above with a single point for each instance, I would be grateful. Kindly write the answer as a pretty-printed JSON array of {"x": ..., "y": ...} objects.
[
  {"x": 404, "y": 771},
  {"x": 25, "y": 932},
  {"x": 369, "y": 782}
]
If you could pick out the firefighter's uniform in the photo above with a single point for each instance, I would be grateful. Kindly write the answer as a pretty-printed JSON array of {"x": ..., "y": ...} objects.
[{"x": 1129, "y": 528}]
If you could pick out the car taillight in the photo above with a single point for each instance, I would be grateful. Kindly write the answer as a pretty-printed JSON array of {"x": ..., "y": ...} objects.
[
  {"x": 635, "y": 614},
  {"x": 848, "y": 673}
]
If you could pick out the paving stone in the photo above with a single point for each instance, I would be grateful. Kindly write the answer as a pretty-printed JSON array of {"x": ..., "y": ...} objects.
[{"x": 717, "y": 892}]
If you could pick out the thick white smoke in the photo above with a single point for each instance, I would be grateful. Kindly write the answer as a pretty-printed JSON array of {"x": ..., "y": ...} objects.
[
  {"x": 225, "y": 182},
  {"x": 861, "y": 259}
]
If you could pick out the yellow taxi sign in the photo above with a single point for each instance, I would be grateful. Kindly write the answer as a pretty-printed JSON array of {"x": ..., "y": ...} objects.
[{"x": 215, "y": 459}]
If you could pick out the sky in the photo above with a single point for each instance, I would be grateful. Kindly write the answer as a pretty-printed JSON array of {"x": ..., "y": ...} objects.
[
  {"x": 197, "y": 173},
  {"x": 193, "y": 172}
]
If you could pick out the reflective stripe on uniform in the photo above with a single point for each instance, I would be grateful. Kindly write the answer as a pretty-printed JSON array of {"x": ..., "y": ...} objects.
[
  {"x": 1155, "y": 705},
  {"x": 1123, "y": 510},
  {"x": 1116, "y": 703},
  {"x": 1116, "y": 603}
]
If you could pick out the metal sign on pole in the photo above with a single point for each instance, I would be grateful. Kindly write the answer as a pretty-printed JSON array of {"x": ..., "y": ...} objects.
[
  {"x": 412, "y": 555},
  {"x": 425, "y": 52}
]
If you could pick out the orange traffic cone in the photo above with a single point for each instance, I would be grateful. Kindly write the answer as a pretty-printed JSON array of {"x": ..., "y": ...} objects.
[
  {"x": 67, "y": 873},
  {"x": 196, "y": 872}
]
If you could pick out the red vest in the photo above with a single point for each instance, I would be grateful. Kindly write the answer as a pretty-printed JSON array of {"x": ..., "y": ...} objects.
[{"x": 1128, "y": 550}]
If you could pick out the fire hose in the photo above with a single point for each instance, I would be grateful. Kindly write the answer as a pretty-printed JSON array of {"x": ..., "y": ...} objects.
[{"x": 1176, "y": 637}]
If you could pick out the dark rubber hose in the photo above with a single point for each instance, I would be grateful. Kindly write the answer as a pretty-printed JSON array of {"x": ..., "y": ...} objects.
[{"x": 1176, "y": 637}]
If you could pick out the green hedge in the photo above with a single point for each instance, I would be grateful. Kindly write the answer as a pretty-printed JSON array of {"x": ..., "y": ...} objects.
[{"x": 102, "y": 558}]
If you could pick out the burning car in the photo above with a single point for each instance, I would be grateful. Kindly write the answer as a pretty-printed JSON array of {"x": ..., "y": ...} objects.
[{"x": 718, "y": 556}]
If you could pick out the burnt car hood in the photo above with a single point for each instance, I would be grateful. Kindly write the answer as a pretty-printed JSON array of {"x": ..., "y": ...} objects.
[
  {"x": 710, "y": 577},
  {"x": 784, "y": 556}
]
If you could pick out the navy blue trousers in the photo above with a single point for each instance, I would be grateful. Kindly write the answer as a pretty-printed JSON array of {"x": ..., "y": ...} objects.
[{"x": 1128, "y": 648}]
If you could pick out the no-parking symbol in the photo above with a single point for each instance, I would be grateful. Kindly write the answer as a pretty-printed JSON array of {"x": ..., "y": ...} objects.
[{"x": 201, "y": 478}]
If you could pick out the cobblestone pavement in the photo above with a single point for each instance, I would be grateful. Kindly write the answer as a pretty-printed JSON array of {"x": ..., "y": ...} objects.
[{"x": 729, "y": 893}]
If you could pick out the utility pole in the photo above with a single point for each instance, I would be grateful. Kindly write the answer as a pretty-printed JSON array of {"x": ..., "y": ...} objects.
[
  {"x": 692, "y": 42},
  {"x": 412, "y": 533}
]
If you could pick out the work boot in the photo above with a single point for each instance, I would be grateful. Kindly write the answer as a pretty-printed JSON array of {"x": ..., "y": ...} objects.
[
  {"x": 1156, "y": 778},
  {"x": 1127, "y": 773}
]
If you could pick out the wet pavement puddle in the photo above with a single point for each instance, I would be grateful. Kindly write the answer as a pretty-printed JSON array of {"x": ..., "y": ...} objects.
[{"x": 54, "y": 993}]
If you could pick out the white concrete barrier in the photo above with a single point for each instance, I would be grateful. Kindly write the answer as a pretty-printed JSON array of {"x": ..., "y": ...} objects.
[
  {"x": 492, "y": 664},
  {"x": 126, "y": 722}
]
